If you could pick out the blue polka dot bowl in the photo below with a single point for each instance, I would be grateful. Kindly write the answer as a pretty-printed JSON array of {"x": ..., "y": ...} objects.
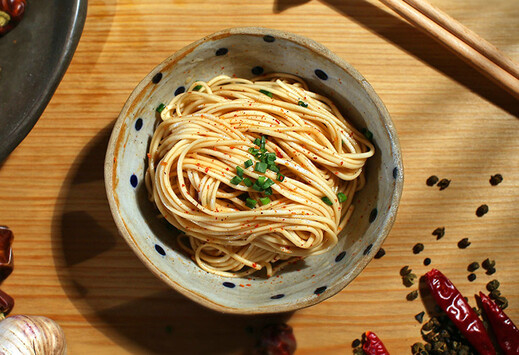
[{"x": 248, "y": 52}]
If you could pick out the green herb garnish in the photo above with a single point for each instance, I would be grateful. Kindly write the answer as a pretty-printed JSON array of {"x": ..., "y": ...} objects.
[
  {"x": 236, "y": 180},
  {"x": 302, "y": 104},
  {"x": 198, "y": 87},
  {"x": 248, "y": 163},
  {"x": 262, "y": 143},
  {"x": 268, "y": 191},
  {"x": 261, "y": 180},
  {"x": 247, "y": 182},
  {"x": 271, "y": 157},
  {"x": 327, "y": 200},
  {"x": 239, "y": 171},
  {"x": 257, "y": 142},
  {"x": 342, "y": 197},
  {"x": 160, "y": 108},
  {"x": 265, "y": 201},
  {"x": 268, "y": 93},
  {"x": 260, "y": 167},
  {"x": 268, "y": 183},
  {"x": 281, "y": 177},
  {"x": 250, "y": 203},
  {"x": 257, "y": 187},
  {"x": 253, "y": 151},
  {"x": 273, "y": 167}
]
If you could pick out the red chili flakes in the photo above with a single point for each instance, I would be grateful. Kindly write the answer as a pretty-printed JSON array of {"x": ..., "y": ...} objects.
[
  {"x": 278, "y": 153},
  {"x": 254, "y": 265},
  {"x": 256, "y": 226},
  {"x": 206, "y": 170},
  {"x": 242, "y": 285},
  {"x": 342, "y": 163},
  {"x": 248, "y": 285},
  {"x": 227, "y": 169},
  {"x": 148, "y": 155},
  {"x": 315, "y": 158}
]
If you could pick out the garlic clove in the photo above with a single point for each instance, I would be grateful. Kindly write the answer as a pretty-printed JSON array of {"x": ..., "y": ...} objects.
[{"x": 31, "y": 335}]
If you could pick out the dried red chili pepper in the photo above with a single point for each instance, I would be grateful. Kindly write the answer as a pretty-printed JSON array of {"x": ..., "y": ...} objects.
[
  {"x": 11, "y": 12},
  {"x": 6, "y": 303},
  {"x": 276, "y": 339},
  {"x": 506, "y": 332},
  {"x": 373, "y": 345},
  {"x": 451, "y": 301},
  {"x": 6, "y": 252}
]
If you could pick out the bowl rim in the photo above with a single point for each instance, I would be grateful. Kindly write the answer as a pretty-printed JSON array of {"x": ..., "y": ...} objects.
[{"x": 111, "y": 180}]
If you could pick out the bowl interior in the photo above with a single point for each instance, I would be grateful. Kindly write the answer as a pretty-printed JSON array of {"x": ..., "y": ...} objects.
[{"x": 245, "y": 53}]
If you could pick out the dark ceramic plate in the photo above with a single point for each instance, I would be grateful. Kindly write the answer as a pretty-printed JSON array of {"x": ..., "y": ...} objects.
[{"x": 33, "y": 58}]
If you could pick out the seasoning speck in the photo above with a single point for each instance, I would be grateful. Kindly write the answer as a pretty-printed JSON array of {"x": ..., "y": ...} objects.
[
  {"x": 380, "y": 253},
  {"x": 502, "y": 302},
  {"x": 492, "y": 285},
  {"x": 411, "y": 296},
  {"x": 443, "y": 184},
  {"x": 439, "y": 232},
  {"x": 471, "y": 277},
  {"x": 496, "y": 179},
  {"x": 491, "y": 271},
  {"x": 427, "y": 261},
  {"x": 355, "y": 343},
  {"x": 482, "y": 210},
  {"x": 495, "y": 294},
  {"x": 419, "y": 317},
  {"x": 462, "y": 244},
  {"x": 405, "y": 270},
  {"x": 473, "y": 266},
  {"x": 408, "y": 279},
  {"x": 418, "y": 248},
  {"x": 432, "y": 180},
  {"x": 488, "y": 264}
]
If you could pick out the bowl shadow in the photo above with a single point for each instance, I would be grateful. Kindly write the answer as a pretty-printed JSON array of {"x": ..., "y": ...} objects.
[{"x": 116, "y": 293}]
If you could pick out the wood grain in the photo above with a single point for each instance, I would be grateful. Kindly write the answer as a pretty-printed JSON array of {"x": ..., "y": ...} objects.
[{"x": 452, "y": 122}]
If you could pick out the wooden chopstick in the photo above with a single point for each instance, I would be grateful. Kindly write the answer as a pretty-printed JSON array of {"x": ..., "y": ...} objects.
[
  {"x": 467, "y": 35},
  {"x": 464, "y": 43}
]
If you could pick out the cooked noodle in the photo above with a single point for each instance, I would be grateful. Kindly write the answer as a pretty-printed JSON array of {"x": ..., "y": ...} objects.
[{"x": 209, "y": 130}]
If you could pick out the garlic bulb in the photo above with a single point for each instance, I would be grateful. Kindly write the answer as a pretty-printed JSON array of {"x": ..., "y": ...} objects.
[{"x": 31, "y": 335}]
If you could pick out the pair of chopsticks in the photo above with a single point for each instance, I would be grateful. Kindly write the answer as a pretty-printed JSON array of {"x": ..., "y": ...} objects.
[{"x": 465, "y": 43}]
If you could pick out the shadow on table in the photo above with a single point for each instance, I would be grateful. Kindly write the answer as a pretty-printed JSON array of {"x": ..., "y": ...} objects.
[
  {"x": 408, "y": 38},
  {"x": 113, "y": 290}
]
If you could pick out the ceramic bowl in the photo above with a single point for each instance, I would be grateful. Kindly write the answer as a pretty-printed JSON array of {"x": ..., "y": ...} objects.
[{"x": 247, "y": 52}]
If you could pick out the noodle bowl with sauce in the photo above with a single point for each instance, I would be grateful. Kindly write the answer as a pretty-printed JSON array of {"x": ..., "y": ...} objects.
[{"x": 256, "y": 173}]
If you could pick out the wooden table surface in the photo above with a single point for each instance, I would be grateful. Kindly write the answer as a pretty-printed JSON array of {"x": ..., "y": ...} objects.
[{"x": 72, "y": 266}]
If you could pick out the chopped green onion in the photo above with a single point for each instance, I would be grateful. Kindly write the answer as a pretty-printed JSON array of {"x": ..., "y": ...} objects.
[
  {"x": 250, "y": 203},
  {"x": 342, "y": 197},
  {"x": 260, "y": 167},
  {"x": 268, "y": 183},
  {"x": 273, "y": 167},
  {"x": 302, "y": 104},
  {"x": 268, "y": 93},
  {"x": 160, "y": 108},
  {"x": 247, "y": 182},
  {"x": 253, "y": 151},
  {"x": 263, "y": 150},
  {"x": 248, "y": 163},
  {"x": 262, "y": 142},
  {"x": 281, "y": 177},
  {"x": 257, "y": 141},
  {"x": 257, "y": 187},
  {"x": 265, "y": 201},
  {"x": 367, "y": 133},
  {"x": 261, "y": 180},
  {"x": 268, "y": 191},
  {"x": 243, "y": 197},
  {"x": 198, "y": 87},
  {"x": 239, "y": 171},
  {"x": 271, "y": 157},
  {"x": 327, "y": 200},
  {"x": 236, "y": 180}
]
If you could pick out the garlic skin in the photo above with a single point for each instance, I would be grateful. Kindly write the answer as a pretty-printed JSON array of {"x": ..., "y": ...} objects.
[{"x": 31, "y": 335}]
